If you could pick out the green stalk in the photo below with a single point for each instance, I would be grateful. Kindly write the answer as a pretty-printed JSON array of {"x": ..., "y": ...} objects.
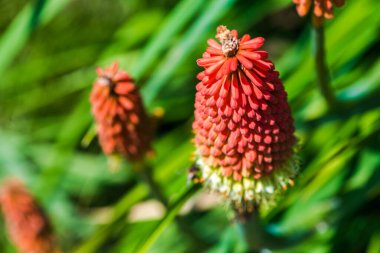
[
  {"x": 323, "y": 76},
  {"x": 169, "y": 217},
  {"x": 258, "y": 237},
  {"x": 145, "y": 173}
]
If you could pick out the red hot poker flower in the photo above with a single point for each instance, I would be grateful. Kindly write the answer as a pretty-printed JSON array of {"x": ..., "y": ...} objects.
[
  {"x": 322, "y": 8},
  {"x": 244, "y": 133},
  {"x": 27, "y": 225},
  {"x": 122, "y": 123}
]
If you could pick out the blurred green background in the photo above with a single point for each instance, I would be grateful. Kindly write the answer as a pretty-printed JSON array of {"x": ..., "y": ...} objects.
[{"x": 48, "y": 54}]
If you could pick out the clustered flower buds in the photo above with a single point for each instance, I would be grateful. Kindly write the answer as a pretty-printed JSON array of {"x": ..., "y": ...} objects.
[
  {"x": 27, "y": 225},
  {"x": 122, "y": 123},
  {"x": 244, "y": 133},
  {"x": 322, "y": 8}
]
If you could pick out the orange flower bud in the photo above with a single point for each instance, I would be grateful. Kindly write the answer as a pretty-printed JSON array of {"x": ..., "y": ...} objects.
[
  {"x": 27, "y": 225},
  {"x": 322, "y": 8},
  {"x": 122, "y": 123}
]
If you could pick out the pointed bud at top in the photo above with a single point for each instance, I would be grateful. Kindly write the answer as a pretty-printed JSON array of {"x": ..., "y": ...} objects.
[
  {"x": 321, "y": 8},
  {"x": 27, "y": 225},
  {"x": 230, "y": 44},
  {"x": 244, "y": 132},
  {"x": 123, "y": 126}
]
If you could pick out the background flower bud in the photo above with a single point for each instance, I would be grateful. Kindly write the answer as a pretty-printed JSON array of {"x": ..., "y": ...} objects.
[
  {"x": 27, "y": 225},
  {"x": 321, "y": 8},
  {"x": 123, "y": 125}
]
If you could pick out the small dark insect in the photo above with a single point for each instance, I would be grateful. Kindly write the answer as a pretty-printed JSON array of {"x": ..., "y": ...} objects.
[{"x": 195, "y": 175}]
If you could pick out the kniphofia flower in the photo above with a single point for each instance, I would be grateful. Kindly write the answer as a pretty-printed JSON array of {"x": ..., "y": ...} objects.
[
  {"x": 28, "y": 227},
  {"x": 244, "y": 133},
  {"x": 321, "y": 8},
  {"x": 122, "y": 123}
]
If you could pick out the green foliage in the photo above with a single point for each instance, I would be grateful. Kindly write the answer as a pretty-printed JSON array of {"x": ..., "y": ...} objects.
[{"x": 48, "y": 54}]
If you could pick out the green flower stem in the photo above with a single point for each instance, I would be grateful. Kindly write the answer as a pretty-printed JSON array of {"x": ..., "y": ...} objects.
[
  {"x": 258, "y": 237},
  {"x": 145, "y": 173},
  {"x": 323, "y": 75},
  {"x": 170, "y": 215}
]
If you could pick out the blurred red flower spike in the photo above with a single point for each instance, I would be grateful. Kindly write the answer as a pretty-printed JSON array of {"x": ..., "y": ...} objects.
[
  {"x": 123, "y": 126},
  {"x": 28, "y": 227}
]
